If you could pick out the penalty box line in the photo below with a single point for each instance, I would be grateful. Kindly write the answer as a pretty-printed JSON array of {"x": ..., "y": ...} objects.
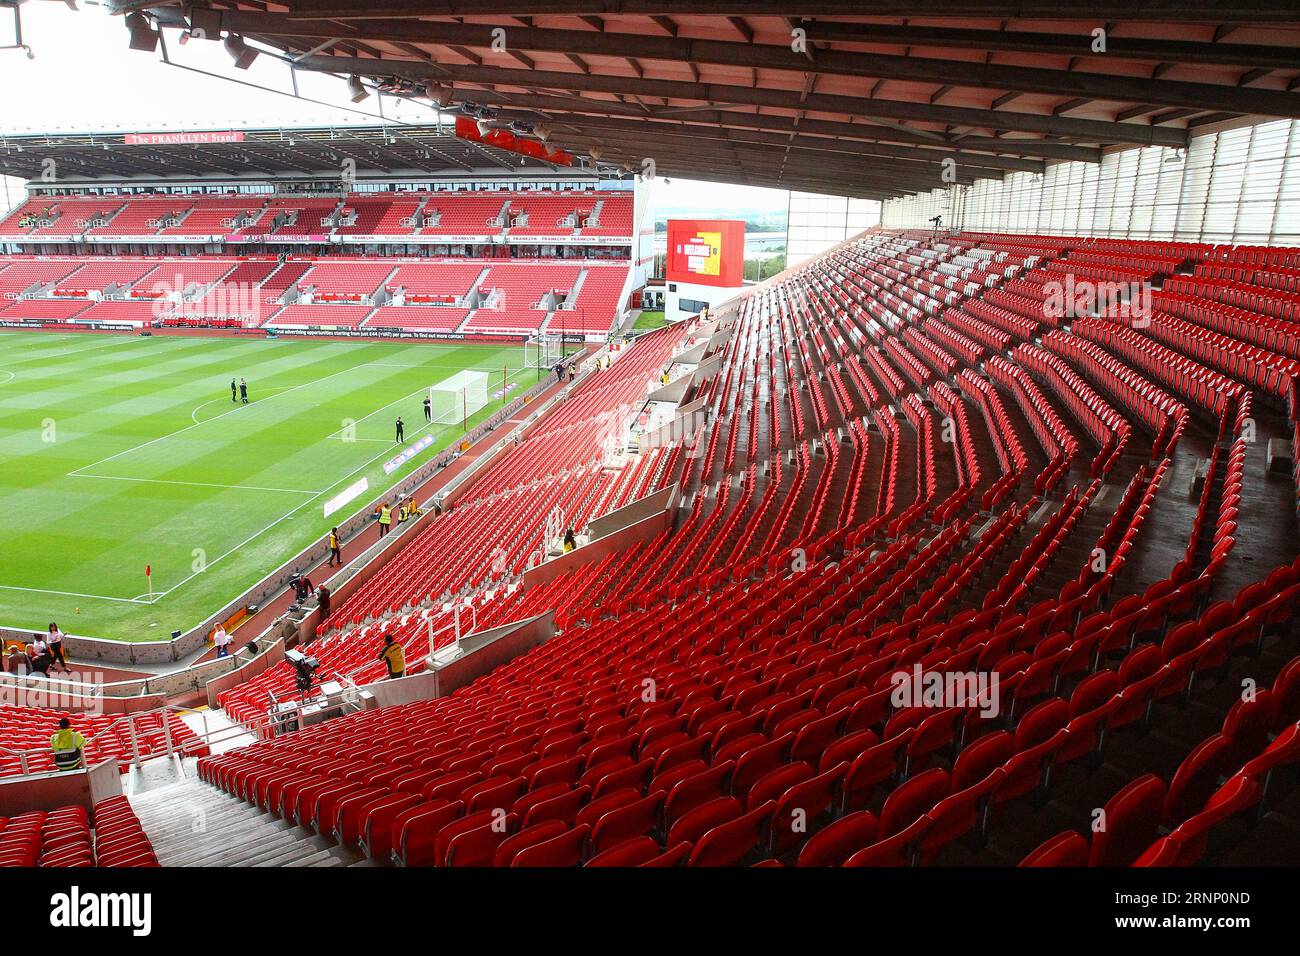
[
  {"x": 284, "y": 517},
  {"x": 199, "y": 484}
]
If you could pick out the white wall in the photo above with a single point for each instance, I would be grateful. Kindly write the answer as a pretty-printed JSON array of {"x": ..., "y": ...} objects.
[
  {"x": 817, "y": 222},
  {"x": 675, "y": 292},
  {"x": 1237, "y": 186}
]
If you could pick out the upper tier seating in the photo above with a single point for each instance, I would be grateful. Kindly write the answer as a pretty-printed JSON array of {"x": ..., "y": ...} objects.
[
  {"x": 307, "y": 216},
  {"x": 73, "y": 217},
  {"x": 373, "y": 214},
  {"x": 615, "y": 217},
  {"x": 212, "y": 215},
  {"x": 143, "y": 216},
  {"x": 542, "y": 215},
  {"x": 466, "y": 214}
]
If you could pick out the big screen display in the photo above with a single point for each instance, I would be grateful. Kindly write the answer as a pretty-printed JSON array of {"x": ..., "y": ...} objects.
[{"x": 706, "y": 251}]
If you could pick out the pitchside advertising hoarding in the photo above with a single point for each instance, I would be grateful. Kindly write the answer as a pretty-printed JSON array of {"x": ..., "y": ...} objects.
[{"x": 706, "y": 251}]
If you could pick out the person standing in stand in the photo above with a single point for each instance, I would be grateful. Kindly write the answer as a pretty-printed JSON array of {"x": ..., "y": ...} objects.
[
  {"x": 394, "y": 658},
  {"x": 54, "y": 642},
  {"x": 68, "y": 747}
]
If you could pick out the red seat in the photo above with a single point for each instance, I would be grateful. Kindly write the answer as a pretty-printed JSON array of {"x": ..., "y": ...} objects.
[
  {"x": 624, "y": 822},
  {"x": 838, "y": 841},
  {"x": 1131, "y": 818},
  {"x": 729, "y": 843},
  {"x": 1064, "y": 849}
]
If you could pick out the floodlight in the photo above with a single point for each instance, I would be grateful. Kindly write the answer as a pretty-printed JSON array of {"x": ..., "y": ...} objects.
[
  {"x": 240, "y": 52},
  {"x": 143, "y": 36}
]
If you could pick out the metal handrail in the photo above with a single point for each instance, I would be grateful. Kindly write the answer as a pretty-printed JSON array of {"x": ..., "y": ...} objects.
[
  {"x": 31, "y": 680},
  {"x": 207, "y": 737}
]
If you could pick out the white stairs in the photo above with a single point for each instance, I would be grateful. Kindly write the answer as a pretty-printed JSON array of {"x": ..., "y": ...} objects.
[{"x": 194, "y": 824}]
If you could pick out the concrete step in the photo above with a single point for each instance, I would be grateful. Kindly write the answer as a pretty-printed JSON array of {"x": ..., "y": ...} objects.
[{"x": 191, "y": 823}]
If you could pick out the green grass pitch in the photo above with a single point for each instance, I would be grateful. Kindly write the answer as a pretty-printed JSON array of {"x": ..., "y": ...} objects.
[{"x": 121, "y": 451}]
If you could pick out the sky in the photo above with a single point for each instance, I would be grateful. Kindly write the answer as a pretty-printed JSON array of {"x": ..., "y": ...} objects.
[{"x": 84, "y": 77}]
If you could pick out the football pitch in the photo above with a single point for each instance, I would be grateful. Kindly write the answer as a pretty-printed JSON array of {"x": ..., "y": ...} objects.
[{"x": 118, "y": 452}]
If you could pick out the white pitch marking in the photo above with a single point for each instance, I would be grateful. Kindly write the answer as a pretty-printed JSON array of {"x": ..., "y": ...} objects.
[
  {"x": 214, "y": 418},
  {"x": 94, "y": 597},
  {"x": 194, "y": 414},
  {"x": 284, "y": 517},
  {"x": 158, "y": 595},
  {"x": 199, "y": 484}
]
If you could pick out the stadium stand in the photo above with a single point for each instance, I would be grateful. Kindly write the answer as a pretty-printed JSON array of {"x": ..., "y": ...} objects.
[
  {"x": 339, "y": 316},
  {"x": 63, "y": 837},
  {"x": 774, "y": 686},
  {"x": 44, "y": 310},
  {"x": 347, "y": 278},
  {"x": 941, "y": 546},
  {"x": 28, "y": 729},
  {"x": 414, "y": 317},
  {"x": 442, "y": 279},
  {"x": 602, "y": 287},
  {"x": 517, "y": 297},
  {"x": 211, "y": 215}
]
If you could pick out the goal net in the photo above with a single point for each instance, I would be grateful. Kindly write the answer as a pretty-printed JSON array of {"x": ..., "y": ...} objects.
[
  {"x": 454, "y": 400},
  {"x": 543, "y": 350}
]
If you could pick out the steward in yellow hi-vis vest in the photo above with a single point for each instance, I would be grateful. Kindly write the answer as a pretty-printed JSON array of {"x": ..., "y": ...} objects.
[
  {"x": 68, "y": 747},
  {"x": 385, "y": 519},
  {"x": 393, "y": 656}
]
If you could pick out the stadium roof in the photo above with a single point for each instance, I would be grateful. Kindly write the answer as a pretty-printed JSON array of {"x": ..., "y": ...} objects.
[
  {"x": 867, "y": 100},
  {"x": 395, "y": 150}
]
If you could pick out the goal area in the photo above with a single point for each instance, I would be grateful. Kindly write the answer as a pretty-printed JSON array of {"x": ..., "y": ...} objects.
[{"x": 455, "y": 399}]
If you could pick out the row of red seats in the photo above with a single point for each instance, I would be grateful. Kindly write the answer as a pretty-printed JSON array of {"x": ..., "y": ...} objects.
[
  {"x": 1275, "y": 303},
  {"x": 62, "y": 837},
  {"x": 1273, "y": 334},
  {"x": 1107, "y": 427},
  {"x": 1163, "y": 415},
  {"x": 1193, "y": 802}
]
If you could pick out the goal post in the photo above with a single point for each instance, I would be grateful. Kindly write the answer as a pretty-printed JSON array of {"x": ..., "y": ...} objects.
[
  {"x": 455, "y": 399},
  {"x": 543, "y": 349}
]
